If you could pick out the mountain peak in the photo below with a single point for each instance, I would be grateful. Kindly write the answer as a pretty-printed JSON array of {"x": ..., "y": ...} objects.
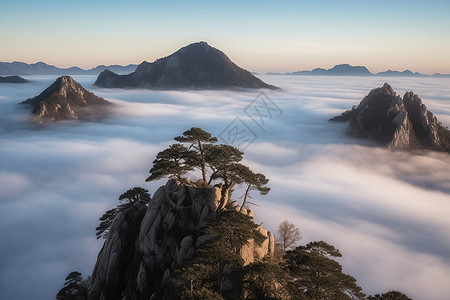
[
  {"x": 399, "y": 123},
  {"x": 346, "y": 69},
  {"x": 195, "y": 66},
  {"x": 66, "y": 99}
]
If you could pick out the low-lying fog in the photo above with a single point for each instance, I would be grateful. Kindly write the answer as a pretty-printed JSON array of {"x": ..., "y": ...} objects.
[{"x": 388, "y": 212}]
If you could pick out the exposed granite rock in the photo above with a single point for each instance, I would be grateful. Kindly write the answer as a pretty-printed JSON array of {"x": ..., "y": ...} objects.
[
  {"x": 399, "y": 123},
  {"x": 66, "y": 99},
  {"x": 196, "y": 66},
  {"x": 116, "y": 260},
  {"x": 12, "y": 79},
  {"x": 140, "y": 254}
]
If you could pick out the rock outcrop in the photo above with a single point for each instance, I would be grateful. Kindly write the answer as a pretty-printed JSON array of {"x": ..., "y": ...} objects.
[
  {"x": 145, "y": 244},
  {"x": 196, "y": 66},
  {"x": 66, "y": 99},
  {"x": 12, "y": 79},
  {"x": 399, "y": 123}
]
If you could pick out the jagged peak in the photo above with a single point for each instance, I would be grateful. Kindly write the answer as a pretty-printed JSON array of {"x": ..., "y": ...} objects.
[
  {"x": 401, "y": 123},
  {"x": 385, "y": 89},
  {"x": 66, "y": 80}
]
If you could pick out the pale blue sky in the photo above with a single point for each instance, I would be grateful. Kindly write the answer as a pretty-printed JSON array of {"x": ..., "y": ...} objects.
[{"x": 258, "y": 35}]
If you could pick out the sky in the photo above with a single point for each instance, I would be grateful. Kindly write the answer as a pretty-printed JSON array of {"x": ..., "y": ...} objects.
[
  {"x": 386, "y": 211},
  {"x": 261, "y": 36}
]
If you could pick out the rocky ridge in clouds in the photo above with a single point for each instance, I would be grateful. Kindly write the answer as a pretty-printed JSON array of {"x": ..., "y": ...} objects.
[
  {"x": 399, "y": 123},
  {"x": 66, "y": 99},
  {"x": 145, "y": 244},
  {"x": 12, "y": 79},
  {"x": 196, "y": 66}
]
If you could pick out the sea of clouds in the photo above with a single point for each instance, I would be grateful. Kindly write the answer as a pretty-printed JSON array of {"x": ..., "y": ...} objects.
[{"x": 388, "y": 212}]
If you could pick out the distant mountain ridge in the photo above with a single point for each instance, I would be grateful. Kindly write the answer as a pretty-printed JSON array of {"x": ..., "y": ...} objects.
[
  {"x": 196, "y": 66},
  {"x": 349, "y": 70},
  {"x": 41, "y": 68}
]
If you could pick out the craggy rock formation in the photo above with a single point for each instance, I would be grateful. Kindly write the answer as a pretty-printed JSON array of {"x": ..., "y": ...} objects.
[
  {"x": 66, "y": 99},
  {"x": 12, "y": 79},
  {"x": 196, "y": 66},
  {"x": 399, "y": 123},
  {"x": 145, "y": 243},
  {"x": 252, "y": 251}
]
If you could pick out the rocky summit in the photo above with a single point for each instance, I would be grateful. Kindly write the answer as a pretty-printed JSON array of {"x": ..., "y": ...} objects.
[
  {"x": 399, "y": 123},
  {"x": 66, "y": 99},
  {"x": 196, "y": 66},
  {"x": 146, "y": 243}
]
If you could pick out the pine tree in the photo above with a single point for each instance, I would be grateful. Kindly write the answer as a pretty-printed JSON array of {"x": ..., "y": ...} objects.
[
  {"x": 217, "y": 260},
  {"x": 254, "y": 181},
  {"x": 222, "y": 160},
  {"x": 174, "y": 161},
  {"x": 198, "y": 138},
  {"x": 129, "y": 197},
  {"x": 135, "y": 194},
  {"x": 266, "y": 280},
  {"x": 391, "y": 295},
  {"x": 74, "y": 288},
  {"x": 318, "y": 276},
  {"x": 106, "y": 220}
]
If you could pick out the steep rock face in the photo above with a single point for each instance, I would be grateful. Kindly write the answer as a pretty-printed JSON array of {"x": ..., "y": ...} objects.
[
  {"x": 196, "y": 66},
  {"x": 115, "y": 263},
  {"x": 139, "y": 256},
  {"x": 399, "y": 123},
  {"x": 252, "y": 251},
  {"x": 66, "y": 99}
]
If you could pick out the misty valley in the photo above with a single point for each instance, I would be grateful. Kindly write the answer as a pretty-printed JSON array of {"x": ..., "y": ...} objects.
[{"x": 384, "y": 208}]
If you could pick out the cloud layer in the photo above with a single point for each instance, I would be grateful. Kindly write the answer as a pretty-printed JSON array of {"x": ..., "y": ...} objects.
[{"x": 386, "y": 211}]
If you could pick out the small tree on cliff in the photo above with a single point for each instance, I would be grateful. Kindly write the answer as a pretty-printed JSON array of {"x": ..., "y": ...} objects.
[
  {"x": 198, "y": 138},
  {"x": 73, "y": 289},
  {"x": 288, "y": 235},
  {"x": 176, "y": 161},
  {"x": 135, "y": 194},
  {"x": 254, "y": 181},
  {"x": 129, "y": 197}
]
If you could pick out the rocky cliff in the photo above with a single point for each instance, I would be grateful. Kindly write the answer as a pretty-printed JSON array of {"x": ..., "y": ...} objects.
[
  {"x": 66, "y": 99},
  {"x": 399, "y": 123},
  {"x": 196, "y": 66},
  {"x": 146, "y": 243}
]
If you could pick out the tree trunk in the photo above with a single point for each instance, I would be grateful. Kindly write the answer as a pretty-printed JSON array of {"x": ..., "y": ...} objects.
[
  {"x": 245, "y": 197},
  {"x": 202, "y": 160},
  {"x": 225, "y": 196}
]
